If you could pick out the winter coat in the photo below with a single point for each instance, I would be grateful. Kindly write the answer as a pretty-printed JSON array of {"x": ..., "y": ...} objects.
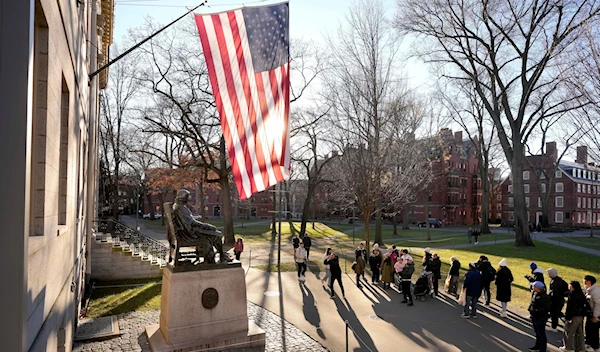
[
  {"x": 296, "y": 242},
  {"x": 575, "y": 306},
  {"x": 238, "y": 246},
  {"x": 360, "y": 252},
  {"x": 455, "y": 268},
  {"x": 409, "y": 269},
  {"x": 300, "y": 255},
  {"x": 334, "y": 266},
  {"x": 473, "y": 283},
  {"x": 399, "y": 266},
  {"x": 307, "y": 242},
  {"x": 485, "y": 268},
  {"x": 504, "y": 278},
  {"x": 592, "y": 294},
  {"x": 539, "y": 306},
  {"x": 387, "y": 269},
  {"x": 427, "y": 261},
  {"x": 375, "y": 261},
  {"x": 536, "y": 275},
  {"x": 359, "y": 268},
  {"x": 558, "y": 290},
  {"x": 436, "y": 267}
]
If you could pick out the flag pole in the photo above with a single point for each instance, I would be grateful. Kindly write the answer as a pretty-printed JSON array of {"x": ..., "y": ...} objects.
[{"x": 93, "y": 74}]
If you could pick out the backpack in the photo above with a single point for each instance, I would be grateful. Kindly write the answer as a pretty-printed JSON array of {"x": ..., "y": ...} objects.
[
  {"x": 489, "y": 274},
  {"x": 589, "y": 312}
]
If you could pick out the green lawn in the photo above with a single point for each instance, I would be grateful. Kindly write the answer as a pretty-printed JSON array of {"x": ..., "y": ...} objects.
[
  {"x": 388, "y": 233},
  {"x": 588, "y": 242},
  {"x": 133, "y": 295},
  {"x": 262, "y": 232},
  {"x": 571, "y": 265}
]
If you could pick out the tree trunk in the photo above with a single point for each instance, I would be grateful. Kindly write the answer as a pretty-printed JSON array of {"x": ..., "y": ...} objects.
[
  {"x": 306, "y": 208},
  {"x": 485, "y": 195},
  {"x": 224, "y": 183},
  {"x": 427, "y": 219},
  {"x": 367, "y": 217},
  {"x": 378, "y": 220},
  {"x": 523, "y": 238},
  {"x": 405, "y": 218}
]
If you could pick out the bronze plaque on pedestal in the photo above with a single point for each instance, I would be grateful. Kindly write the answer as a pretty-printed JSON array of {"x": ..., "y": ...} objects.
[{"x": 210, "y": 298}]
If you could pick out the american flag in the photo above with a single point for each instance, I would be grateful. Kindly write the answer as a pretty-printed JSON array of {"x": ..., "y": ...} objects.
[{"x": 247, "y": 54}]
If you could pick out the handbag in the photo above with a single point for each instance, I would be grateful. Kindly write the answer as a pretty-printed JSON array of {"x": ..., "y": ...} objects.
[
  {"x": 462, "y": 299},
  {"x": 447, "y": 283},
  {"x": 354, "y": 266}
]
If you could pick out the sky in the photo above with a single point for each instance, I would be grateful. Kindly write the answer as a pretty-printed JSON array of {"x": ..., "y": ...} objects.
[{"x": 309, "y": 20}]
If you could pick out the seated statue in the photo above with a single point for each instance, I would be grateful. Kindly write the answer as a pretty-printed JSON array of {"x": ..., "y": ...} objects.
[{"x": 194, "y": 228}]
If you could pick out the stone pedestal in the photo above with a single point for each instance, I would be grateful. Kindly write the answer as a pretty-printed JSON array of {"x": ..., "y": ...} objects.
[{"x": 203, "y": 308}]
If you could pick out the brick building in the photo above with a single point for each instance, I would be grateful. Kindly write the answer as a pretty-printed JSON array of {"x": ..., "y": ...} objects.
[
  {"x": 574, "y": 188},
  {"x": 454, "y": 196}
]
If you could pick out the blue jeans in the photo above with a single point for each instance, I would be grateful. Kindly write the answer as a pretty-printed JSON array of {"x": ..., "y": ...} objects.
[{"x": 470, "y": 306}]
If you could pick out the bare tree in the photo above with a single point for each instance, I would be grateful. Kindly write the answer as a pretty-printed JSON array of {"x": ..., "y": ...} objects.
[
  {"x": 115, "y": 111},
  {"x": 510, "y": 52}
]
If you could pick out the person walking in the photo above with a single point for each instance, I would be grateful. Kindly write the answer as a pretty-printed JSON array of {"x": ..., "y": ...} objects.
[
  {"x": 375, "y": 260},
  {"x": 327, "y": 276},
  {"x": 296, "y": 242},
  {"x": 387, "y": 268},
  {"x": 470, "y": 234},
  {"x": 238, "y": 248},
  {"x": 476, "y": 234},
  {"x": 427, "y": 267},
  {"x": 539, "y": 308},
  {"x": 360, "y": 254},
  {"x": 488, "y": 274},
  {"x": 307, "y": 243},
  {"x": 436, "y": 268},
  {"x": 592, "y": 294},
  {"x": 336, "y": 273},
  {"x": 406, "y": 276},
  {"x": 573, "y": 338},
  {"x": 504, "y": 279},
  {"x": 301, "y": 258},
  {"x": 537, "y": 274},
  {"x": 472, "y": 285},
  {"x": 454, "y": 274},
  {"x": 558, "y": 290}
]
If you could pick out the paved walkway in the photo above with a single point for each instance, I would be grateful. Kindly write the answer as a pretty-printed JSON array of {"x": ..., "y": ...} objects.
[
  {"x": 380, "y": 322},
  {"x": 280, "y": 335}
]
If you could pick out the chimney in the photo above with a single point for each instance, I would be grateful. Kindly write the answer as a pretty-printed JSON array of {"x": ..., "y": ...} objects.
[
  {"x": 458, "y": 136},
  {"x": 581, "y": 155},
  {"x": 551, "y": 150}
]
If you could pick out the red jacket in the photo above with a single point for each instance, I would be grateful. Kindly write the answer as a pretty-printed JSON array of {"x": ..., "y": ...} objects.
[{"x": 238, "y": 247}]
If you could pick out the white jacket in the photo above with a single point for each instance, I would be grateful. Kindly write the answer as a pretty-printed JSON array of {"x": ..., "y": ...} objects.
[
  {"x": 592, "y": 294},
  {"x": 300, "y": 255},
  {"x": 325, "y": 266}
]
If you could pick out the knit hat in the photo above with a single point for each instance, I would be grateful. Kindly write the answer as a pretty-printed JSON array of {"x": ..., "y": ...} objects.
[
  {"x": 532, "y": 265},
  {"x": 502, "y": 262},
  {"x": 538, "y": 284},
  {"x": 427, "y": 250}
]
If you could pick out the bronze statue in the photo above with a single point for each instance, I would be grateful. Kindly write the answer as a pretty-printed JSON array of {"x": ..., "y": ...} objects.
[{"x": 196, "y": 229}]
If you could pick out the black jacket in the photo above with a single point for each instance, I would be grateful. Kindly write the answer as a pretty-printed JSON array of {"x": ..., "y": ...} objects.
[
  {"x": 296, "y": 242},
  {"x": 435, "y": 267},
  {"x": 427, "y": 262},
  {"x": 375, "y": 261},
  {"x": 307, "y": 242},
  {"x": 504, "y": 278},
  {"x": 536, "y": 276},
  {"x": 358, "y": 252},
  {"x": 485, "y": 268},
  {"x": 575, "y": 306},
  {"x": 455, "y": 268},
  {"x": 334, "y": 266},
  {"x": 540, "y": 304},
  {"x": 558, "y": 290},
  {"x": 408, "y": 271}
]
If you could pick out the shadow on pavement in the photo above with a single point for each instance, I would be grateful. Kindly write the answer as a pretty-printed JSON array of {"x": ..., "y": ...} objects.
[{"x": 310, "y": 310}]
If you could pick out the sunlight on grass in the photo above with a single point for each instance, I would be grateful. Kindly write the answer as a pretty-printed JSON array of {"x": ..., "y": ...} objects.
[
  {"x": 587, "y": 242},
  {"x": 119, "y": 300},
  {"x": 262, "y": 232}
]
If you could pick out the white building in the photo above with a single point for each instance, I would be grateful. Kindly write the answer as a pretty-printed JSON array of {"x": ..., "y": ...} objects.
[{"x": 48, "y": 163}]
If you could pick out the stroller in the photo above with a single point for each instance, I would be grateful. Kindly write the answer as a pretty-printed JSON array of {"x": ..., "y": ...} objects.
[{"x": 423, "y": 287}]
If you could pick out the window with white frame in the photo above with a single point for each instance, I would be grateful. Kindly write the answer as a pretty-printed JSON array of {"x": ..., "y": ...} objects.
[
  {"x": 527, "y": 202},
  {"x": 526, "y": 188},
  {"x": 559, "y": 187},
  {"x": 578, "y": 202},
  {"x": 558, "y": 174},
  {"x": 579, "y": 188},
  {"x": 542, "y": 175},
  {"x": 589, "y": 189},
  {"x": 543, "y": 187},
  {"x": 574, "y": 172},
  {"x": 499, "y": 197},
  {"x": 589, "y": 202},
  {"x": 525, "y": 175},
  {"x": 539, "y": 202},
  {"x": 510, "y": 189},
  {"x": 511, "y": 202},
  {"x": 558, "y": 217},
  {"x": 584, "y": 202},
  {"x": 559, "y": 202},
  {"x": 499, "y": 206},
  {"x": 511, "y": 216}
]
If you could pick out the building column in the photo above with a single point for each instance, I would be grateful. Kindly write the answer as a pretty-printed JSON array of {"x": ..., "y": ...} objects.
[{"x": 16, "y": 94}]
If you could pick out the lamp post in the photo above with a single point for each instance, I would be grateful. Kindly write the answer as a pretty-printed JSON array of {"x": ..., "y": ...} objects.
[{"x": 353, "y": 224}]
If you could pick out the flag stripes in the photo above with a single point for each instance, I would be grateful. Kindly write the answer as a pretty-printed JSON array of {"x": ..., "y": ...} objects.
[{"x": 253, "y": 106}]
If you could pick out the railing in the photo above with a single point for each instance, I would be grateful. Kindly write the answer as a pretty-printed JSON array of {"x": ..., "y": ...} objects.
[{"x": 132, "y": 240}]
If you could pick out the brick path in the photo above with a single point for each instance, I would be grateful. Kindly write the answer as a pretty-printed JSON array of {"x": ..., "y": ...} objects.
[{"x": 133, "y": 338}]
